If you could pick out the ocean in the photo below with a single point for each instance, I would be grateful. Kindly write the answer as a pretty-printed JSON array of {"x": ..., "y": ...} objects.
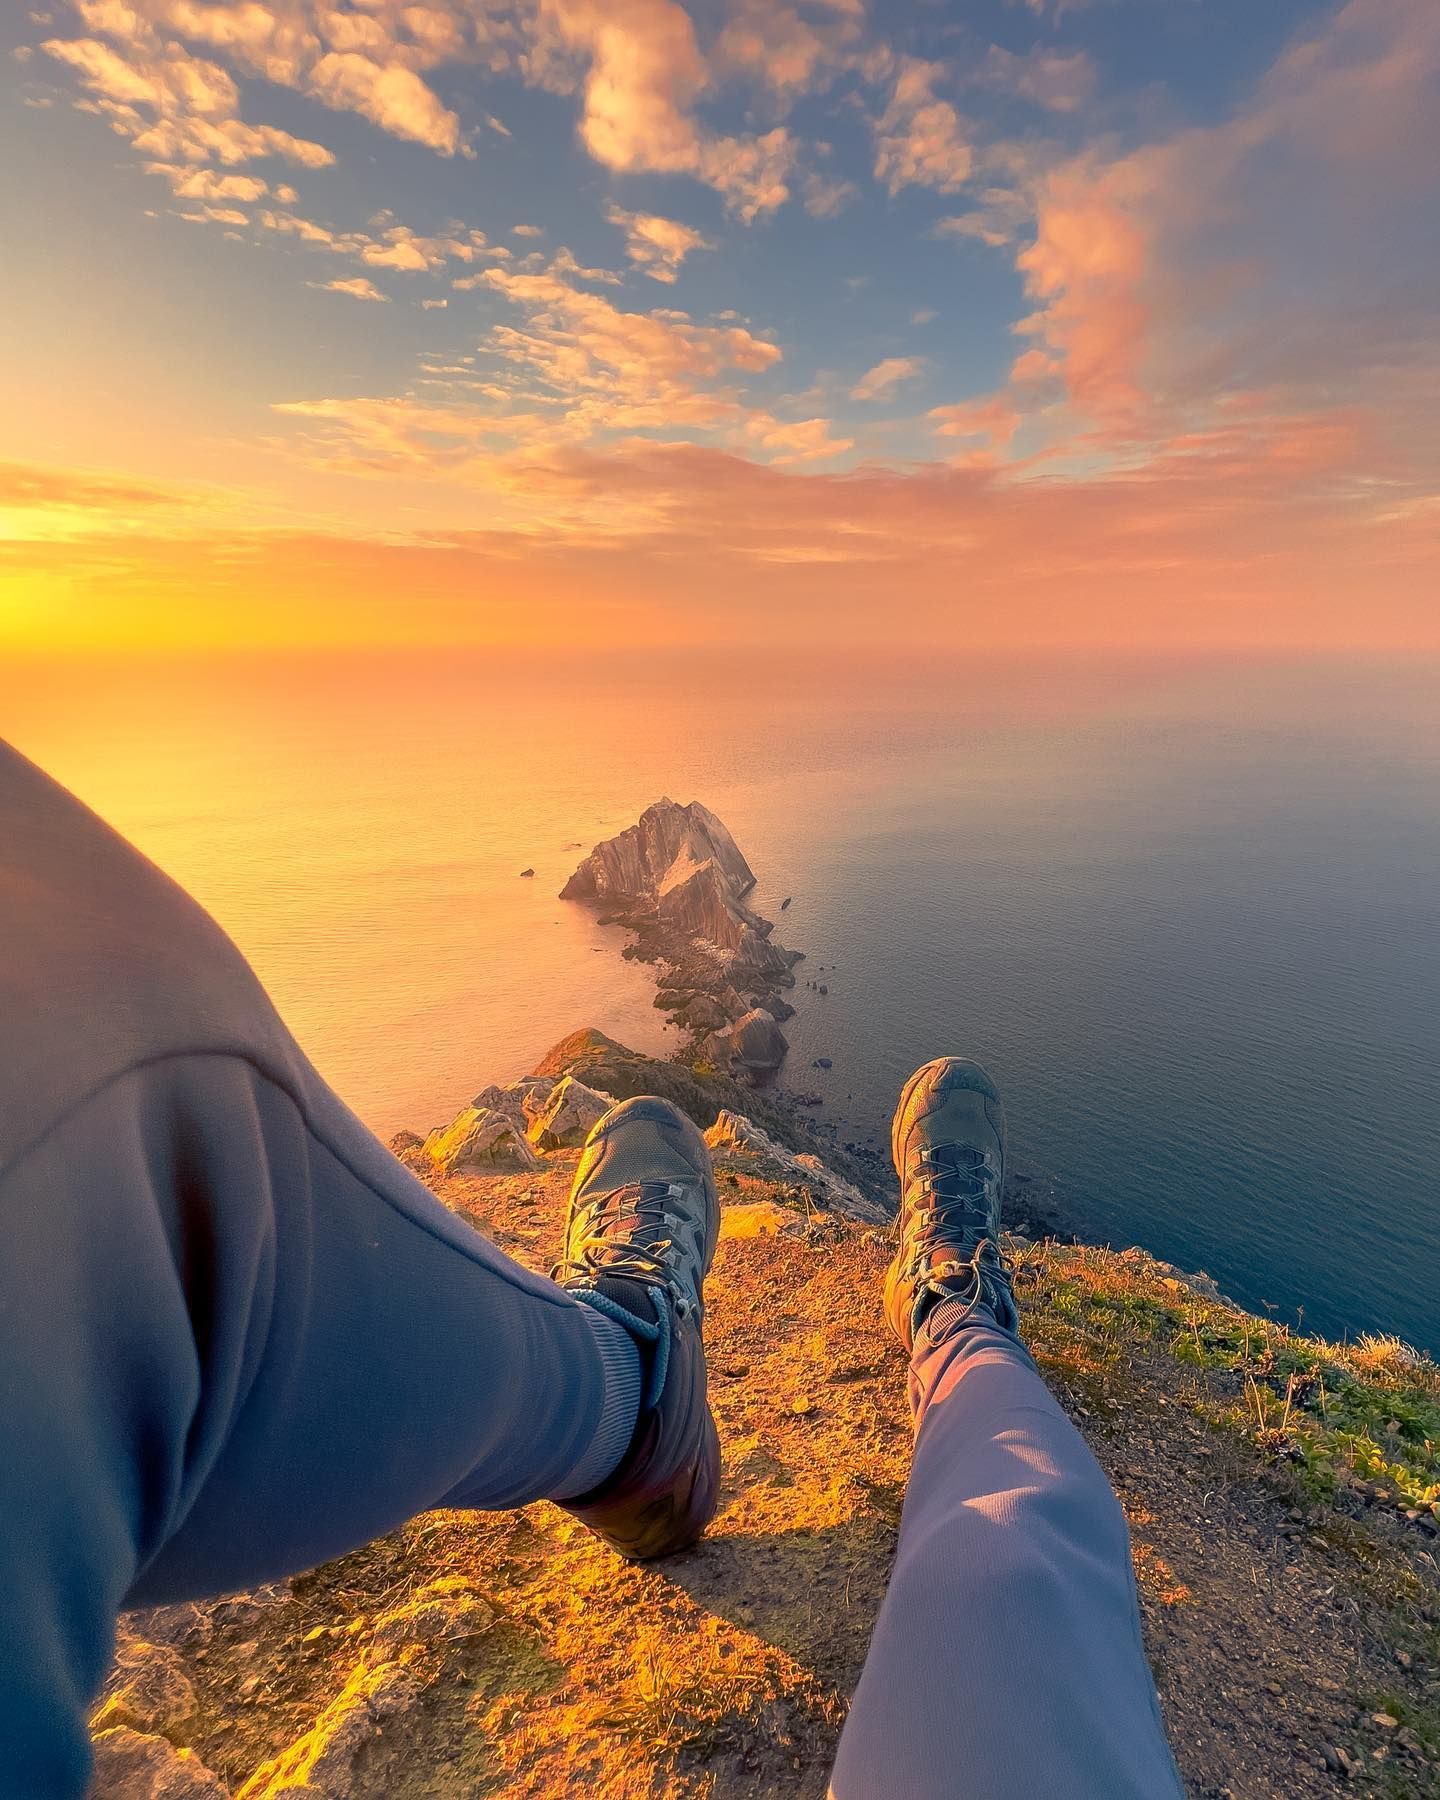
[{"x": 1187, "y": 912}]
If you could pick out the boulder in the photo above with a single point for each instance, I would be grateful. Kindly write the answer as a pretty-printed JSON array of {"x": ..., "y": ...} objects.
[
  {"x": 702, "y": 1012},
  {"x": 753, "y": 1045},
  {"x": 482, "y": 1138},
  {"x": 568, "y": 1115},
  {"x": 133, "y": 1765},
  {"x": 513, "y": 1095}
]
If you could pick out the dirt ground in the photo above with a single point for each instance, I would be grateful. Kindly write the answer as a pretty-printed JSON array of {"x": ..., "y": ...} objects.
[{"x": 511, "y": 1654}]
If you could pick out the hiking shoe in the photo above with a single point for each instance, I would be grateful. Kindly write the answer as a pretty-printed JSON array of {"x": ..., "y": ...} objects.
[
  {"x": 644, "y": 1217},
  {"x": 948, "y": 1144}
]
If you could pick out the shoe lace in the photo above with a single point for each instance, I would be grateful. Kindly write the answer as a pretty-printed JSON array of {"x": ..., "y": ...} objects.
[
  {"x": 625, "y": 1232},
  {"x": 953, "y": 1221}
]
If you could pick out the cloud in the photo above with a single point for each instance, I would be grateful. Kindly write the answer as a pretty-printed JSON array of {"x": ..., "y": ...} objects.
[
  {"x": 1061, "y": 81},
  {"x": 1003, "y": 213},
  {"x": 391, "y": 96},
  {"x": 644, "y": 74},
  {"x": 28, "y": 486},
  {"x": 919, "y": 138},
  {"x": 827, "y": 195},
  {"x": 358, "y": 287},
  {"x": 528, "y": 231},
  {"x": 881, "y": 382},
  {"x": 173, "y": 105},
  {"x": 657, "y": 245},
  {"x": 209, "y": 184},
  {"x": 775, "y": 44},
  {"x": 796, "y": 440},
  {"x": 1179, "y": 286}
]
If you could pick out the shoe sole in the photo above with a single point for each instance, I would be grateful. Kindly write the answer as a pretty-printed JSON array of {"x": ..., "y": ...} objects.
[{"x": 934, "y": 1066}]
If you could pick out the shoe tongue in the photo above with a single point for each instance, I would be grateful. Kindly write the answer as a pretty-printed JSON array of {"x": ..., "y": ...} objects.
[{"x": 637, "y": 1297}]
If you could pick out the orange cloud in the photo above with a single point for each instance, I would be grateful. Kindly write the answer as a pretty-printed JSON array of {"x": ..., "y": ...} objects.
[
  {"x": 881, "y": 382},
  {"x": 919, "y": 138},
  {"x": 643, "y": 78},
  {"x": 659, "y": 246}
]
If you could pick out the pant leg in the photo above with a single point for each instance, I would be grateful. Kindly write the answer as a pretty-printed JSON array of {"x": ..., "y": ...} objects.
[
  {"x": 1007, "y": 1660},
  {"x": 237, "y": 1338}
]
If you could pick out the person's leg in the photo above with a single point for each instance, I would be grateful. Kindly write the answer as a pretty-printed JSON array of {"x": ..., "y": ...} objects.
[
  {"x": 1007, "y": 1660},
  {"x": 239, "y": 1338}
]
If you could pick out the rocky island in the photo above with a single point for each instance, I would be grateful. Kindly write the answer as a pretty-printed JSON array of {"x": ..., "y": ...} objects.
[{"x": 678, "y": 880}]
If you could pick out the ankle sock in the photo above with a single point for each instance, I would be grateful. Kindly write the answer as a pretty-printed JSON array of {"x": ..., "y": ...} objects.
[
  {"x": 945, "y": 1315},
  {"x": 620, "y": 1355}
]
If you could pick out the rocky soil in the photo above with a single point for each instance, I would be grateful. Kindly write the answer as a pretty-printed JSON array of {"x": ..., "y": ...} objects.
[{"x": 1286, "y": 1555}]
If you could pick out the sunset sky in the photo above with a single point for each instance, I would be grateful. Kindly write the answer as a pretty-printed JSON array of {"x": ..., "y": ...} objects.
[{"x": 1001, "y": 324}]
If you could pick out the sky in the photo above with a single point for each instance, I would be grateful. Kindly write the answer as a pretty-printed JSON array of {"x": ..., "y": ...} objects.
[{"x": 590, "y": 323}]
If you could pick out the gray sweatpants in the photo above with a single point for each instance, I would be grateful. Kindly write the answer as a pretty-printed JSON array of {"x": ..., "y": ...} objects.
[{"x": 237, "y": 1337}]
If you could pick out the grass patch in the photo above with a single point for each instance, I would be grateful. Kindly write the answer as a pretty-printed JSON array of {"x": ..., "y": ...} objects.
[{"x": 1362, "y": 1414}]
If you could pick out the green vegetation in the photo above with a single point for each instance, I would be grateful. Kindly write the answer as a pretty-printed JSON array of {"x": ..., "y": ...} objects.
[{"x": 1364, "y": 1415}]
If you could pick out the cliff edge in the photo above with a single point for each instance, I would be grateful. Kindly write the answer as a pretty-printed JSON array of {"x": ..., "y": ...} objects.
[{"x": 1283, "y": 1497}]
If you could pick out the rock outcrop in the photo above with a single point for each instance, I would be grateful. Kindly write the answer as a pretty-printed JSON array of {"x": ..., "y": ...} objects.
[
  {"x": 738, "y": 1142},
  {"x": 321, "y": 1765},
  {"x": 482, "y": 1138},
  {"x": 568, "y": 1114},
  {"x": 678, "y": 880},
  {"x": 134, "y": 1765}
]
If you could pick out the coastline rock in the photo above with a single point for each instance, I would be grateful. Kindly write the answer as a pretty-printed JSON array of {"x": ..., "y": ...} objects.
[
  {"x": 132, "y": 1765},
  {"x": 677, "y": 880},
  {"x": 734, "y": 1135},
  {"x": 482, "y": 1138},
  {"x": 568, "y": 1115},
  {"x": 703, "y": 1013},
  {"x": 753, "y": 1045},
  {"x": 669, "y": 839}
]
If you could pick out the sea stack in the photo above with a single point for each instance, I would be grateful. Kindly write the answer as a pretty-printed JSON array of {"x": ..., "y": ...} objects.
[{"x": 677, "y": 879}]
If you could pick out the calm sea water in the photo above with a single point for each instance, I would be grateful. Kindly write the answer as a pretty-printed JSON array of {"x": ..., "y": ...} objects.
[{"x": 1189, "y": 915}]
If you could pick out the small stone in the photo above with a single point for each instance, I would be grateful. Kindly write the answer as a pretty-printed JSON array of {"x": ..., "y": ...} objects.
[
  {"x": 1404, "y": 1658},
  {"x": 1386, "y": 1721},
  {"x": 527, "y": 874},
  {"x": 802, "y": 1408}
]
